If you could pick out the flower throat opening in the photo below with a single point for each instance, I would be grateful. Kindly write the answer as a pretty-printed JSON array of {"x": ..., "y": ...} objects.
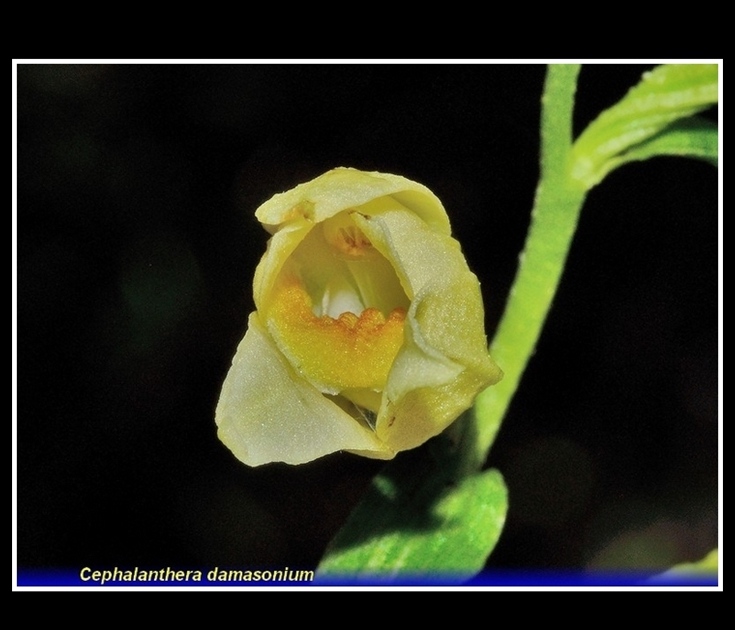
[{"x": 338, "y": 309}]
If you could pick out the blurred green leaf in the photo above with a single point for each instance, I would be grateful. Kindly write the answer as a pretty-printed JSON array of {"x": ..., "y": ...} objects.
[
  {"x": 702, "y": 572},
  {"x": 663, "y": 96},
  {"x": 417, "y": 523},
  {"x": 708, "y": 564}
]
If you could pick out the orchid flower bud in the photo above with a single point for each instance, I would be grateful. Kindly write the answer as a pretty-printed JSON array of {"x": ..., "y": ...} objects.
[{"x": 368, "y": 334}]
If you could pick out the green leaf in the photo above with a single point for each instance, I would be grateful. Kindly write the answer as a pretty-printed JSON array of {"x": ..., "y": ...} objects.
[
  {"x": 690, "y": 137},
  {"x": 417, "y": 523},
  {"x": 663, "y": 96}
]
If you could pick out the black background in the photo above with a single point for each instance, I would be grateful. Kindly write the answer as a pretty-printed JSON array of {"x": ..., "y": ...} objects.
[{"x": 136, "y": 245}]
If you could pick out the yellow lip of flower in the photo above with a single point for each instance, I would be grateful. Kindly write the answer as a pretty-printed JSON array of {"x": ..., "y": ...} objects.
[
  {"x": 368, "y": 334},
  {"x": 350, "y": 351}
]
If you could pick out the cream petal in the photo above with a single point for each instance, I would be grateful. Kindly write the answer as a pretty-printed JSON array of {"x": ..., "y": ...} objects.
[
  {"x": 343, "y": 188},
  {"x": 444, "y": 362},
  {"x": 267, "y": 412},
  {"x": 280, "y": 247}
]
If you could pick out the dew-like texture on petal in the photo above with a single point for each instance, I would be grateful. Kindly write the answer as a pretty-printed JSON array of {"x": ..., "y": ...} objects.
[{"x": 268, "y": 413}]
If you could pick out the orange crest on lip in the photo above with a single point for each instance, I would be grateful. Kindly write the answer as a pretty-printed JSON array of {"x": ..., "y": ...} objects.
[{"x": 350, "y": 351}]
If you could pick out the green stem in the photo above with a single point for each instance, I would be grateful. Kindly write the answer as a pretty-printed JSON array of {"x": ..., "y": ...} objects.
[{"x": 553, "y": 223}]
